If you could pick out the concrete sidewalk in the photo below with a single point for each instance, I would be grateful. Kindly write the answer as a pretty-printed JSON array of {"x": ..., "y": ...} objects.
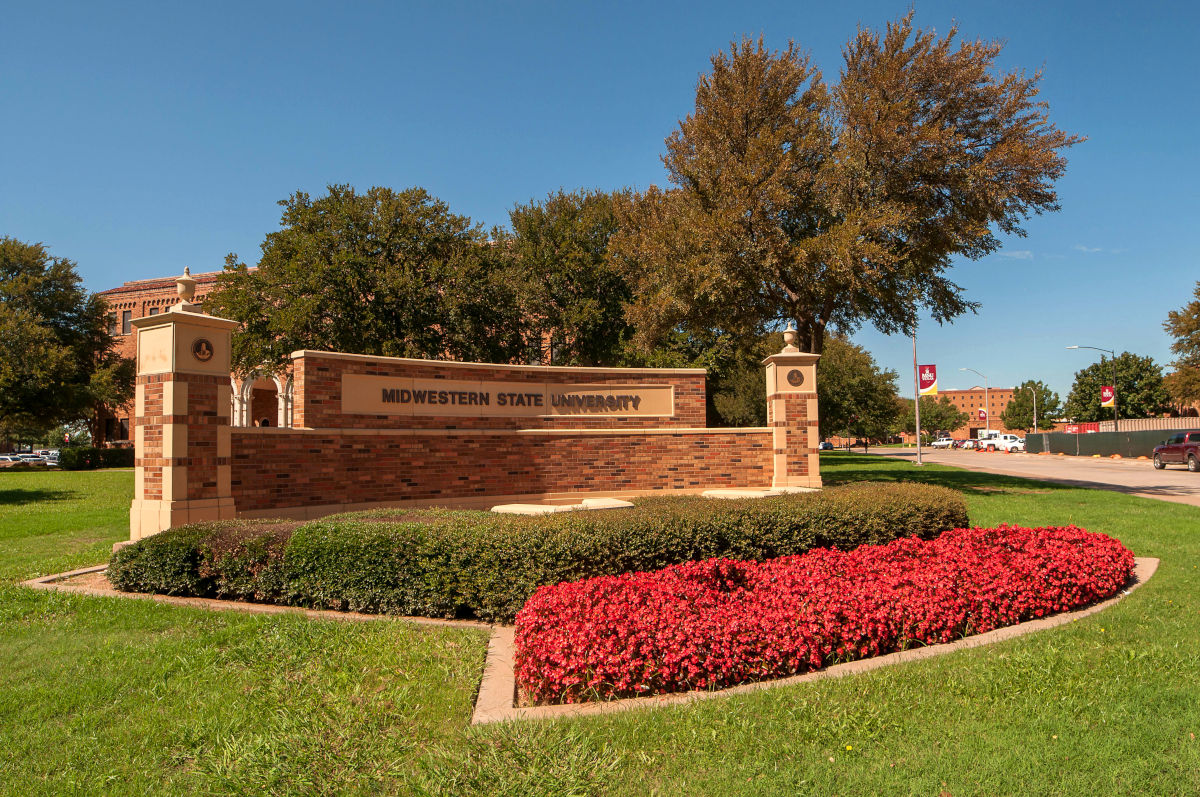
[{"x": 1132, "y": 476}]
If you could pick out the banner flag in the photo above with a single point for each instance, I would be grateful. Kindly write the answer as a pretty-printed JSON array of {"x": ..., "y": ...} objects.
[
  {"x": 982, "y": 414},
  {"x": 927, "y": 380},
  {"x": 1108, "y": 396}
]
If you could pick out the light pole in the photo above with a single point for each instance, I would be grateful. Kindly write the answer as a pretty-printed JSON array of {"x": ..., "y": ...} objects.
[
  {"x": 1113, "y": 355},
  {"x": 987, "y": 405},
  {"x": 1033, "y": 390}
]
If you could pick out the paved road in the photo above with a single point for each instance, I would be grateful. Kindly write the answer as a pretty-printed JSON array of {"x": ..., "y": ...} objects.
[{"x": 1136, "y": 477}]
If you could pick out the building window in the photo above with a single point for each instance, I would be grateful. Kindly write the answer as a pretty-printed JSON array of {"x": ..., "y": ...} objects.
[
  {"x": 114, "y": 325},
  {"x": 126, "y": 322},
  {"x": 153, "y": 311}
]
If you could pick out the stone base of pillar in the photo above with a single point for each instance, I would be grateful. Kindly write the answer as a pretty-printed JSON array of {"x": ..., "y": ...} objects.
[{"x": 150, "y": 517}]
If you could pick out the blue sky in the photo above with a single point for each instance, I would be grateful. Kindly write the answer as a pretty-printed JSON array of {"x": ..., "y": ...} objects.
[{"x": 143, "y": 137}]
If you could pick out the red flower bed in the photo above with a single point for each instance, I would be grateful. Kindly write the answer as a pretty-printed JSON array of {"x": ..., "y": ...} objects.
[{"x": 722, "y": 622}]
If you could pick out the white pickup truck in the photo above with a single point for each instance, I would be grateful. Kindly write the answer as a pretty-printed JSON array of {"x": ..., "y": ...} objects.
[{"x": 1002, "y": 442}]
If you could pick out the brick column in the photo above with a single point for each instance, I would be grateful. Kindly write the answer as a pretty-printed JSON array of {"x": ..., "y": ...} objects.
[
  {"x": 792, "y": 415},
  {"x": 181, "y": 433}
]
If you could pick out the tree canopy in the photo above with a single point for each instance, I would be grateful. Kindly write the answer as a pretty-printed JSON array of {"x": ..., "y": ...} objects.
[
  {"x": 938, "y": 414},
  {"x": 1183, "y": 384},
  {"x": 56, "y": 360},
  {"x": 572, "y": 296},
  {"x": 1139, "y": 383},
  {"x": 855, "y": 396},
  {"x": 1018, "y": 414},
  {"x": 382, "y": 272},
  {"x": 838, "y": 205}
]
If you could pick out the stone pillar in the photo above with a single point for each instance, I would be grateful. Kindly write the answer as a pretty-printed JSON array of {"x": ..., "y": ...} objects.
[
  {"x": 182, "y": 435},
  {"x": 792, "y": 415}
]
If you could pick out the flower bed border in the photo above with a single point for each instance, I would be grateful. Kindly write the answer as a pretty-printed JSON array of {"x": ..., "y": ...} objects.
[{"x": 497, "y": 700}]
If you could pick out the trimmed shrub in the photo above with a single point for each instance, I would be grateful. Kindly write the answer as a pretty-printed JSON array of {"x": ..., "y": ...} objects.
[
  {"x": 479, "y": 564},
  {"x": 722, "y": 622},
  {"x": 92, "y": 458}
]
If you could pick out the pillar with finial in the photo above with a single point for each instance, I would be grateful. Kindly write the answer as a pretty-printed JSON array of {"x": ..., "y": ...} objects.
[
  {"x": 181, "y": 432},
  {"x": 792, "y": 415}
]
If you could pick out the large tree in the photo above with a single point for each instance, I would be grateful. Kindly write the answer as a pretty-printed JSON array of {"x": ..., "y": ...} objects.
[
  {"x": 1183, "y": 384},
  {"x": 838, "y": 205},
  {"x": 573, "y": 296},
  {"x": 381, "y": 272},
  {"x": 1139, "y": 383},
  {"x": 1018, "y": 413},
  {"x": 56, "y": 360},
  {"x": 854, "y": 395}
]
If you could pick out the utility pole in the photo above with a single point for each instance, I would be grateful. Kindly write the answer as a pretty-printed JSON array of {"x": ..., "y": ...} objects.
[{"x": 917, "y": 397}]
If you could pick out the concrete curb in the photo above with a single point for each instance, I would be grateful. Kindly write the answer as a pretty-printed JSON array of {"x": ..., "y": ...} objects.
[
  {"x": 55, "y": 583},
  {"x": 497, "y": 692}
]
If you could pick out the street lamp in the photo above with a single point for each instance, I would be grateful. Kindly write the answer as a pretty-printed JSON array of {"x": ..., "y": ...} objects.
[
  {"x": 1034, "y": 392},
  {"x": 1112, "y": 354},
  {"x": 987, "y": 405}
]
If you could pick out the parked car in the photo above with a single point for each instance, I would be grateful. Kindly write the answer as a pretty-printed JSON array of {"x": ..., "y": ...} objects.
[
  {"x": 943, "y": 442},
  {"x": 8, "y": 460},
  {"x": 969, "y": 443},
  {"x": 825, "y": 445},
  {"x": 1181, "y": 448},
  {"x": 32, "y": 459}
]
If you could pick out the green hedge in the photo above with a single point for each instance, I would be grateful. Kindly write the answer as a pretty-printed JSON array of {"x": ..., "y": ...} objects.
[
  {"x": 92, "y": 458},
  {"x": 477, "y": 564}
]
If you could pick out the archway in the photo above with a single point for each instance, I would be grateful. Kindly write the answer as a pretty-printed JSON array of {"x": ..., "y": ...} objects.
[{"x": 261, "y": 401}]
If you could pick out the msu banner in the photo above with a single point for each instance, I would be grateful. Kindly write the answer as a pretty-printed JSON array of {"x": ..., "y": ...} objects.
[
  {"x": 1108, "y": 396},
  {"x": 927, "y": 380}
]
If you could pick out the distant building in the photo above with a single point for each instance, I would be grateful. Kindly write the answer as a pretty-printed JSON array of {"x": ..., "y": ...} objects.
[{"x": 971, "y": 401}]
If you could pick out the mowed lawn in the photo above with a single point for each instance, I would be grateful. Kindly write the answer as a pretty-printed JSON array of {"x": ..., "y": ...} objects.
[{"x": 111, "y": 696}]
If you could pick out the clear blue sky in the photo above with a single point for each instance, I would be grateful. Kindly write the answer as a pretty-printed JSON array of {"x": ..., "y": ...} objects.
[{"x": 142, "y": 137}]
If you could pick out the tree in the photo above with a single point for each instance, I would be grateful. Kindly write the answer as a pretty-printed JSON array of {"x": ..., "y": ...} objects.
[
  {"x": 1018, "y": 414},
  {"x": 382, "y": 272},
  {"x": 854, "y": 395},
  {"x": 1139, "y": 383},
  {"x": 1183, "y": 324},
  {"x": 938, "y": 414},
  {"x": 56, "y": 358},
  {"x": 843, "y": 205},
  {"x": 572, "y": 295}
]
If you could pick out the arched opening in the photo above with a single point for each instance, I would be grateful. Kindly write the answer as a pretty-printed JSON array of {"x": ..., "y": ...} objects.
[
  {"x": 263, "y": 395},
  {"x": 261, "y": 400}
]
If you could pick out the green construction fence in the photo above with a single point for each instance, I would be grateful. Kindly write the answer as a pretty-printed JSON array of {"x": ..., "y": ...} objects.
[{"x": 1127, "y": 444}]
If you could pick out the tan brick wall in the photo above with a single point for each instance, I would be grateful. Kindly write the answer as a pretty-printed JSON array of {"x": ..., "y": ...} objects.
[{"x": 318, "y": 395}]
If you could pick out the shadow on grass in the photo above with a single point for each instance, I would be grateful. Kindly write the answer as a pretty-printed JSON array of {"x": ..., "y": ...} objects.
[
  {"x": 24, "y": 496},
  {"x": 847, "y": 468}
]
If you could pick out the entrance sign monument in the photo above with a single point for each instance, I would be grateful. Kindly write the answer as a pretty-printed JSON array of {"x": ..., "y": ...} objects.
[{"x": 369, "y": 431}]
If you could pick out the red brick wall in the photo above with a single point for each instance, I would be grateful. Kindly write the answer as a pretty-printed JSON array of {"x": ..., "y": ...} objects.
[
  {"x": 318, "y": 394},
  {"x": 282, "y": 468}
]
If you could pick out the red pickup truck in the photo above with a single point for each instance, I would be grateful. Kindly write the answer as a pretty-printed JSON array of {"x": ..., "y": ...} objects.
[{"x": 1181, "y": 448}]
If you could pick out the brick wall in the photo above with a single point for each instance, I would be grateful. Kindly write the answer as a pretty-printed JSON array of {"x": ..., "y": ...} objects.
[{"x": 289, "y": 468}]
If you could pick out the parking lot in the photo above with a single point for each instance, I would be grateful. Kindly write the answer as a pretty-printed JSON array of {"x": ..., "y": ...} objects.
[{"x": 1133, "y": 476}]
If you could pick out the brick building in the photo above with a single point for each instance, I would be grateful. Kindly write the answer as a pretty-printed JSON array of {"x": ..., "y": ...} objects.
[
  {"x": 972, "y": 400},
  {"x": 256, "y": 401}
]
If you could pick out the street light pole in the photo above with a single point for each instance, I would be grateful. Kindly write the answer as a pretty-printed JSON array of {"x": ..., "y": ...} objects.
[
  {"x": 1033, "y": 390},
  {"x": 987, "y": 405},
  {"x": 917, "y": 399},
  {"x": 1113, "y": 355}
]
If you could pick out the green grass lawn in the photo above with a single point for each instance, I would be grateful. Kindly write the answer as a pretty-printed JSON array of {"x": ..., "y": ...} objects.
[{"x": 112, "y": 696}]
